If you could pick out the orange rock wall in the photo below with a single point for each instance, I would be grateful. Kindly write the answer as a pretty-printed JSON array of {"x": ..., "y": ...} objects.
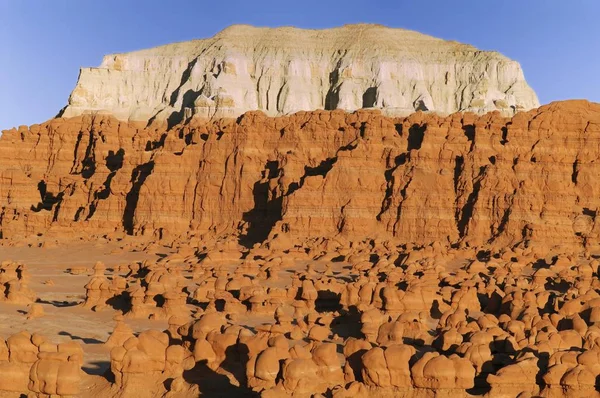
[{"x": 462, "y": 178}]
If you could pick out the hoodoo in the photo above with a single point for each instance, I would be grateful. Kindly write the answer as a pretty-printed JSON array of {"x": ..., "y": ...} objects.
[{"x": 285, "y": 70}]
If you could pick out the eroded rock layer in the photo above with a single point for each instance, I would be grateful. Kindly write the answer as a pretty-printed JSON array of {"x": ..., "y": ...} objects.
[
  {"x": 284, "y": 70},
  {"x": 464, "y": 178}
]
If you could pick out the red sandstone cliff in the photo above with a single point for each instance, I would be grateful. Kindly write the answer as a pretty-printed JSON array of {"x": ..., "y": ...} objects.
[{"x": 424, "y": 178}]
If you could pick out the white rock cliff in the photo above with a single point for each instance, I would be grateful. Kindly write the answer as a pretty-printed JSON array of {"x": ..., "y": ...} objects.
[{"x": 285, "y": 70}]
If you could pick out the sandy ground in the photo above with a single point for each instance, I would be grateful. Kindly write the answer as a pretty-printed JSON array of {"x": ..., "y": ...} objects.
[
  {"x": 61, "y": 294},
  {"x": 65, "y": 319}
]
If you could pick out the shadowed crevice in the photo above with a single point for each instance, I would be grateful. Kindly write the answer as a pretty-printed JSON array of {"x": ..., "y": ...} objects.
[
  {"x": 400, "y": 160},
  {"x": 466, "y": 212},
  {"x": 266, "y": 211},
  {"x": 114, "y": 161},
  {"x": 138, "y": 177},
  {"x": 89, "y": 160},
  {"x": 416, "y": 133}
]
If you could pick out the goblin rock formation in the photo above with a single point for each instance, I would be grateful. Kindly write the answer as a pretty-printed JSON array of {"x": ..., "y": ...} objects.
[
  {"x": 14, "y": 279},
  {"x": 285, "y": 70},
  {"x": 460, "y": 179},
  {"x": 365, "y": 319},
  {"x": 31, "y": 364}
]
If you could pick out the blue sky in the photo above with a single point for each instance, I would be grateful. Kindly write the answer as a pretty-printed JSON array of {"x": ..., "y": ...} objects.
[{"x": 43, "y": 43}]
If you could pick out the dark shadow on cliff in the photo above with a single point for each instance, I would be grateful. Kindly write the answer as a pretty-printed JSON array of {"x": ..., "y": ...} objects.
[
  {"x": 466, "y": 213},
  {"x": 332, "y": 97},
  {"x": 321, "y": 170},
  {"x": 416, "y": 133},
  {"x": 266, "y": 212},
  {"x": 138, "y": 177},
  {"x": 399, "y": 161},
  {"x": 262, "y": 218},
  {"x": 369, "y": 97},
  {"x": 114, "y": 161},
  {"x": 89, "y": 161},
  {"x": 47, "y": 200},
  {"x": 178, "y": 117},
  {"x": 155, "y": 144}
]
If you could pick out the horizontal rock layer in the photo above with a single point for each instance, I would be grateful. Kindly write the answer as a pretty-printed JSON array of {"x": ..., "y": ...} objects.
[
  {"x": 284, "y": 70},
  {"x": 468, "y": 179}
]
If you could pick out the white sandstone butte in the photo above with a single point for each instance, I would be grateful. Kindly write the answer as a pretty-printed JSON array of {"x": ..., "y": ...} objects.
[{"x": 284, "y": 70}]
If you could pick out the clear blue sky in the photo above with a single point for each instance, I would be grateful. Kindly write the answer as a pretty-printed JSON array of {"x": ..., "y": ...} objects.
[{"x": 44, "y": 43}]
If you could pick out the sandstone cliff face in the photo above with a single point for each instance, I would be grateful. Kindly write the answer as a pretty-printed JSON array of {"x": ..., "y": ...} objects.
[
  {"x": 285, "y": 70},
  {"x": 476, "y": 180}
]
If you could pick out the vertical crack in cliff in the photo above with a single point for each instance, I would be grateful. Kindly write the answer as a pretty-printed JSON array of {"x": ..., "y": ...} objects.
[
  {"x": 52, "y": 151},
  {"x": 194, "y": 199},
  {"x": 458, "y": 168},
  {"x": 459, "y": 162},
  {"x": 89, "y": 160},
  {"x": 59, "y": 202},
  {"x": 398, "y": 127},
  {"x": 75, "y": 151},
  {"x": 466, "y": 213},
  {"x": 408, "y": 177},
  {"x": 342, "y": 222},
  {"x": 505, "y": 218},
  {"x": 138, "y": 177},
  {"x": 400, "y": 160}
]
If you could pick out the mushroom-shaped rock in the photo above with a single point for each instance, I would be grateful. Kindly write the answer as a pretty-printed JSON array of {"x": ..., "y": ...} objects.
[
  {"x": 435, "y": 371},
  {"x": 375, "y": 372},
  {"x": 516, "y": 378},
  {"x": 398, "y": 357},
  {"x": 301, "y": 376},
  {"x": 55, "y": 374},
  {"x": 326, "y": 358}
]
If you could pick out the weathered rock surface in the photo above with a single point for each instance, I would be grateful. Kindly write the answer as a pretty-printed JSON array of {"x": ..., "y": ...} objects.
[
  {"x": 468, "y": 179},
  {"x": 284, "y": 70},
  {"x": 417, "y": 257}
]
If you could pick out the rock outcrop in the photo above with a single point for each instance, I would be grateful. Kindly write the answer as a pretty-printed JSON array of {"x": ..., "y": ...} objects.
[
  {"x": 285, "y": 70},
  {"x": 31, "y": 364},
  {"x": 370, "y": 319},
  {"x": 476, "y": 180}
]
